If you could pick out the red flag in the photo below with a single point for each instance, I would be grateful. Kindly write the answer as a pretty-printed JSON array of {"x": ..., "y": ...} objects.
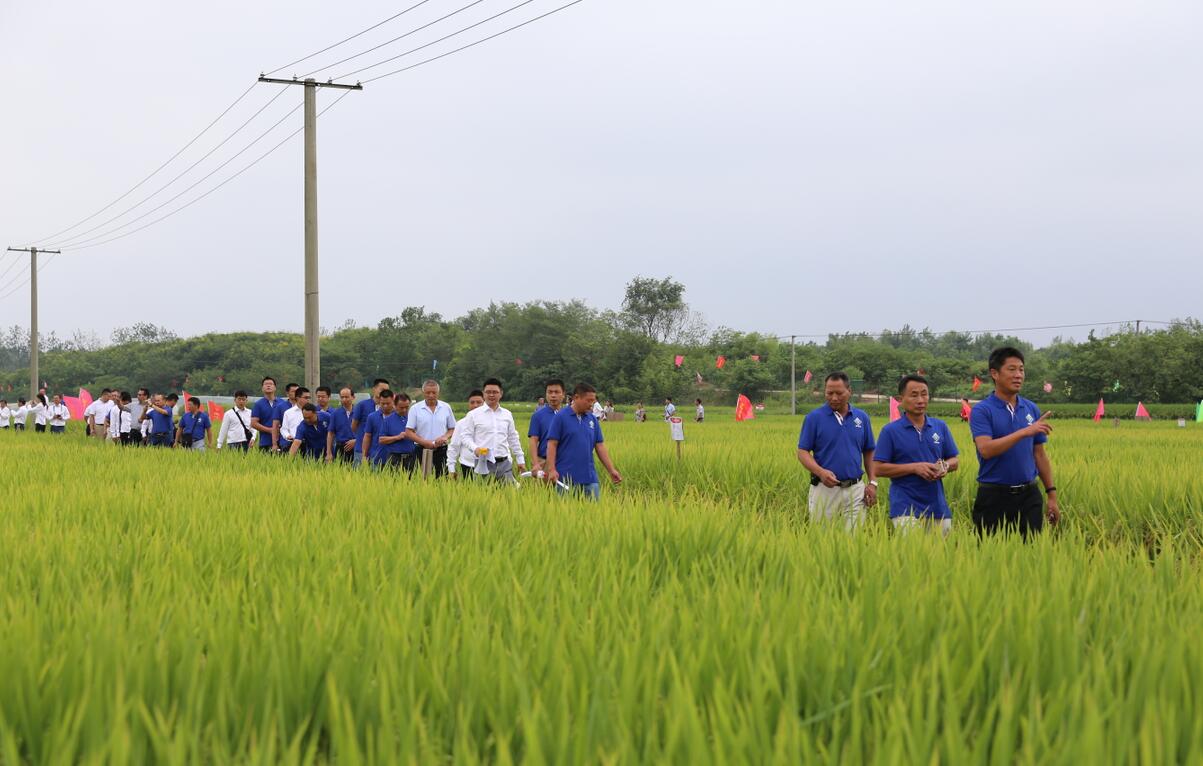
[
  {"x": 1099, "y": 412},
  {"x": 1141, "y": 412},
  {"x": 806, "y": 378},
  {"x": 755, "y": 357},
  {"x": 743, "y": 408},
  {"x": 977, "y": 383},
  {"x": 894, "y": 413},
  {"x": 966, "y": 410},
  {"x": 84, "y": 397},
  {"x": 720, "y": 362},
  {"x": 215, "y": 411},
  {"x": 185, "y": 397},
  {"x": 679, "y": 360},
  {"x": 75, "y": 406}
]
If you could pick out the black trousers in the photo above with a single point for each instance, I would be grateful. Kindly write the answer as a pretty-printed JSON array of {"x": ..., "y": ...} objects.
[
  {"x": 39, "y": 427},
  {"x": 439, "y": 458},
  {"x": 998, "y": 508}
]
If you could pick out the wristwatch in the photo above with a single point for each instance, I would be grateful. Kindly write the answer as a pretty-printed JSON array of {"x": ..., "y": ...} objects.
[{"x": 873, "y": 482}]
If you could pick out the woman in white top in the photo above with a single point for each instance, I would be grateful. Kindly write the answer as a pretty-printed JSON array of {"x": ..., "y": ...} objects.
[
  {"x": 40, "y": 408},
  {"x": 58, "y": 415},
  {"x": 19, "y": 415},
  {"x": 6, "y": 415}
]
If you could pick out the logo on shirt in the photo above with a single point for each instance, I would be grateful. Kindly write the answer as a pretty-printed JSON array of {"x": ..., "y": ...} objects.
[
  {"x": 590, "y": 424},
  {"x": 935, "y": 437},
  {"x": 1030, "y": 419},
  {"x": 856, "y": 422}
]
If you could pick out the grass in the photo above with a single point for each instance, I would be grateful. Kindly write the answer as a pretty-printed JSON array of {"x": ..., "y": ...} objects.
[{"x": 183, "y": 608}]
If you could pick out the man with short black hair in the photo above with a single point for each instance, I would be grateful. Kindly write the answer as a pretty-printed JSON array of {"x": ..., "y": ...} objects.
[
  {"x": 235, "y": 432},
  {"x": 670, "y": 409},
  {"x": 572, "y": 439},
  {"x": 916, "y": 452},
  {"x": 321, "y": 397},
  {"x": 59, "y": 414},
  {"x": 360, "y": 414},
  {"x": 489, "y": 435},
  {"x": 432, "y": 423},
  {"x": 162, "y": 426},
  {"x": 194, "y": 431},
  {"x": 309, "y": 439},
  {"x": 836, "y": 441},
  {"x": 540, "y": 421},
  {"x": 384, "y": 434},
  {"x": 1010, "y": 433},
  {"x": 341, "y": 436},
  {"x": 264, "y": 414},
  {"x": 97, "y": 415},
  {"x": 137, "y": 409},
  {"x": 299, "y": 396},
  {"x": 458, "y": 459}
]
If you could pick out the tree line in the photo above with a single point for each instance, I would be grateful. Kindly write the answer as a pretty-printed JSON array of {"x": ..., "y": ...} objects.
[{"x": 629, "y": 354}]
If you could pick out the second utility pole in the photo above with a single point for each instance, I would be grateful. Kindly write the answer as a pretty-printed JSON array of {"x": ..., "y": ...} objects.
[
  {"x": 313, "y": 353},
  {"x": 33, "y": 315}
]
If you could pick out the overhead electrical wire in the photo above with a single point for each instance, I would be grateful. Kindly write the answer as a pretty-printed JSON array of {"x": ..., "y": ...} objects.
[
  {"x": 347, "y": 39},
  {"x": 154, "y": 172}
]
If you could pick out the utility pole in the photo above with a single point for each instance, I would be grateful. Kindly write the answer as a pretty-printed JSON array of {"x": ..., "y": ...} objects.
[
  {"x": 793, "y": 376},
  {"x": 33, "y": 315},
  {"x": 1138, "y": 327},
  {"x": 313, "y": 353}
]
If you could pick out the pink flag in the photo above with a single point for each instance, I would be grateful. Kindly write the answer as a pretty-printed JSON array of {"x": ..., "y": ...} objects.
[
  {"x": 1141, "y": 412},
  {"x": 85, "y": 397},
  {"x": 75, "y": 406},
  {"x": 894, "y": 413},
  {"x": 743, "y": 409},
  {"x": 806, "y": 378},
  {"x": 679, "y": 360},
  {"x": 755, "y": 357},
  {"x": 1099, "y": 412},
  {"x": 1048, "y": 387}
]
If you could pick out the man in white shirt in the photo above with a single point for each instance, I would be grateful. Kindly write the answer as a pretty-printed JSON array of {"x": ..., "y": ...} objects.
[
  {"x": 670, "y": 409},
  {"x": 19, "y": 415},
  {"x": 433, "y": 424},
  {"x": 6, "y": 415},
  {"x": 136, "y": 409},
  {"x": 235, "y": 429},
  {"x": 114, "y": 421},
  {"x": 293, "y": 417},
  {"x": 457, "y": 458},
  {"x": 489, "y": 434},
  {"x": 58, "y": 414},
  {"x": 98, "y": 416}
]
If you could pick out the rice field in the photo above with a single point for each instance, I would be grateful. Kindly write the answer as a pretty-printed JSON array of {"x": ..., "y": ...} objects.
[{"x": 180, "y": 608}]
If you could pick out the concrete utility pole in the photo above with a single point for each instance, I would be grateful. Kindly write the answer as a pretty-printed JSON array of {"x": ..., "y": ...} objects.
[
  {"x": 33, "y": 315},
  {"x": 793, "y": 377},
  {"x": 313, "y": 353}
]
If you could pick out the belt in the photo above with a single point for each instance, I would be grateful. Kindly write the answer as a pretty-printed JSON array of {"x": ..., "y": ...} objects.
[
  {"x": 844, "y": 484},
  {"x": 1013, "y": 489}
]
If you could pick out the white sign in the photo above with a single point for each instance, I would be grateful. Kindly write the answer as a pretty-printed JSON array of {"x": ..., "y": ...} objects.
[{"x": 677, "y": 428}]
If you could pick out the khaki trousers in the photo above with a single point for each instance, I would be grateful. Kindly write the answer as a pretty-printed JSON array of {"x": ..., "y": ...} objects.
[{"x": 838, "y": 504}]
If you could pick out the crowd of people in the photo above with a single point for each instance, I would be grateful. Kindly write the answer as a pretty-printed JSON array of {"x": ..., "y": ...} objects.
[{"x": 388, "y": 430}]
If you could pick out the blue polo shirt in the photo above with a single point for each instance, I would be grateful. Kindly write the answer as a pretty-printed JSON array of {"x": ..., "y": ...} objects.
[
  {"x": 575, "y": 436},
  {"x": 161, "y": 423},
  {"x": 313, "y": 437},
  {"x": 378, "y": 425},
  {"x": 281, "y": 406},
  {"x": 992, "y": 417},
  {"x": 265, "y": 411},
  {"x": 340, "y": 424},
  {"x": 194, "y": 425},
  {"x": 540, "y": 422},
  {"x": 360, "y": 414},
  {"x": 837, "y": 447},
  {"x": 901, "y": 442}
]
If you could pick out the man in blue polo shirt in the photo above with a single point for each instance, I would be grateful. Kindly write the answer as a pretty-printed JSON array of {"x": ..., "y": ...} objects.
[
  {"x": 264, "y": 416},
  {"x": 1010, "y": 433},
  {"x": 341, "y": 438},
  {"x": 836, "y": 441},
  {"x": 194, "y": 431},
  {"x": 361, "y": 412},
  {"x": 915, "y": 453},
  {"x": 310, "y": 437},
  {"x": 384, "y": 435},
  {"x": 540, "y": 421},
  {"x": 572, "y": 438},
  {"x": 162, "y": 426}
]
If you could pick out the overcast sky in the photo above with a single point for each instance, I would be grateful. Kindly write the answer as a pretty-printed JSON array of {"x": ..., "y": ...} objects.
[{"x": 801, "y": 167}]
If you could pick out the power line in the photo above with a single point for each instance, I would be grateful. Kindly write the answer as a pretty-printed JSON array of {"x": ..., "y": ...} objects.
[
  {"x": 68, "y": 241},
  {"x": 85, "y": 243},
  {"x": 155, "y": 172},
  {"x": 41, "y": 266},
  {"x": 478, "y": 42},
  {"x": 215, "y": 188},
  {"x": 346, "y": 40},
  {"x": 395, "y": 39},
  {"x": 436, "y": 42},
  {"x": 894, "y": 333}
]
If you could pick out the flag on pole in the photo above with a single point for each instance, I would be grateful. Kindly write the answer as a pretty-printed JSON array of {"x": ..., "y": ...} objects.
[
  {"x": 679, "y": 360},
  {"x": 1141, "y": 412},
  {"x": 215, "y": 412},
  {"x": 1099, "y": 412},
  {"x": 743, "y": 409},
  {"x": 720, "y": 363},
  {"x": 977, "y": 383},
  {"x": 894, "y": 413},
  {"x": 806, "y": 378},
  {"x": 1048, "y": 387}
]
